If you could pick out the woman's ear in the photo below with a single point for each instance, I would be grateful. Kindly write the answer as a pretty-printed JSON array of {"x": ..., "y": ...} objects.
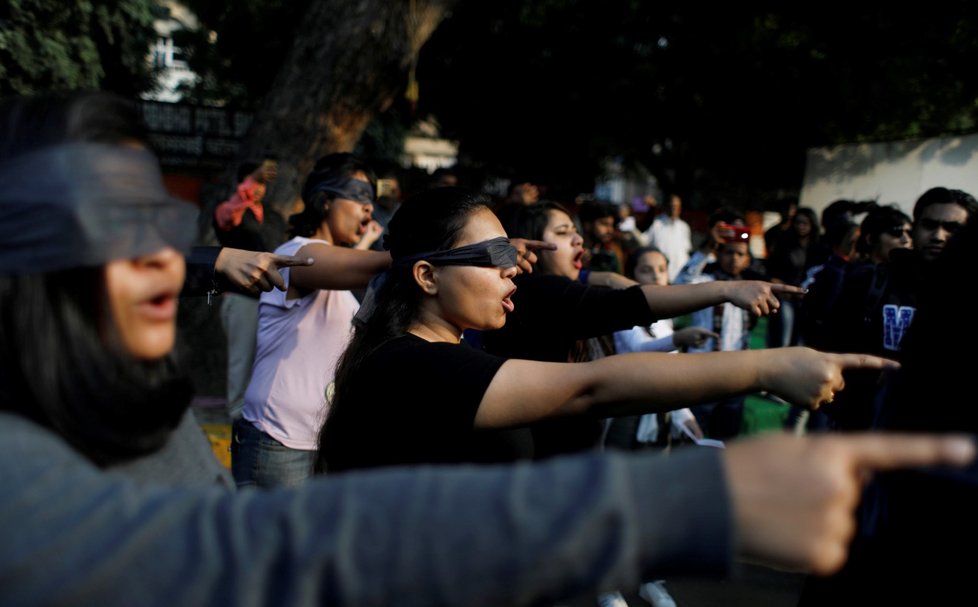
[{"x": 426, "y": 276}]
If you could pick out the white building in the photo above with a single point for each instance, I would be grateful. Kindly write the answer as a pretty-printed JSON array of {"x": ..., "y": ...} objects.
[
  {"x": 424, "y": 147},
  {"x": 167, "y": 57},
  {"x": 890, "y": 172}
]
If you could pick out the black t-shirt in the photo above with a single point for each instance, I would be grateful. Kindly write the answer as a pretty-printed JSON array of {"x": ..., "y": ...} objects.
[
  {"x": 551, "y": 313},
  {"x": 910, "y": 521},
  {"x": 416, "y": 403}
]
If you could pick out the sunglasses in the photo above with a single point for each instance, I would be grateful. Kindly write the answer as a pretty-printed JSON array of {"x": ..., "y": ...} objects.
[
  {"x": 496, "y": 252},
  {"x": 949, "y": 226},
  {"x": 898, "y": 232}
]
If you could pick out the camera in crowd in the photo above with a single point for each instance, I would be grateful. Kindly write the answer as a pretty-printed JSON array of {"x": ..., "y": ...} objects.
[{"x": 727, "y": 232}]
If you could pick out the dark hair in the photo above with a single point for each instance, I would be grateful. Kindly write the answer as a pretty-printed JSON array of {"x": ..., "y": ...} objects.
[
  {"x": 846, "y": 209},
  {"x": 441, "y": 173},
  {"x": 632, "y": 262},
  {"x": 840, "y": 232},
  {"x": 343, "y": 164},
  {"x": 875, "y": 223},
  {"x": 529, "y": 221},
  {"x": 431, "y": 220},
  {"x": 944, "y": 196},
  {"x": 30, "y": 123},
  {"x": 516, "y": 181},
  {"x": 62, "y": 363},
  {"x": 593, "y": 210},
  {"x": 812, "y": 217},
  {"x": 724, "y": 214},
  {"x": 785, "y": 205}
]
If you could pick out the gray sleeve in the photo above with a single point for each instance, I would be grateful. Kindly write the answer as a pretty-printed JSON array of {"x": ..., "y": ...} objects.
[
  {"x": 451, "y": 536},
  {"x": 186, "y": 460}
]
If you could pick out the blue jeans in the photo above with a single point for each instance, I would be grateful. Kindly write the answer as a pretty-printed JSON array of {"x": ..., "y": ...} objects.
[
  {"x": 239, "y": 316},
  {"x": 259, "y": 460},
  {"x": 781, "y": 326}
]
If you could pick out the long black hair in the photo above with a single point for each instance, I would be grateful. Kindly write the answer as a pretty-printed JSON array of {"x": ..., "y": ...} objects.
[
  {"x": 530, "y": 221},
  {"x": 637, "y": 254},
  {"x": 432, "y": 220},
  {"x": 62, "y": 362},
  {"x": 875, "y": 223}
]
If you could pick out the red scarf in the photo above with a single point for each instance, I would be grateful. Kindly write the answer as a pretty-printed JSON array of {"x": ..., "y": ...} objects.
[{"x": 229, "y": 213}]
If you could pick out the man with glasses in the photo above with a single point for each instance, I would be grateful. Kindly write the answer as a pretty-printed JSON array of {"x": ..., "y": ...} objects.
[
  {"x": 908, "y": 523},
  {"x": 878, "y": 302}
]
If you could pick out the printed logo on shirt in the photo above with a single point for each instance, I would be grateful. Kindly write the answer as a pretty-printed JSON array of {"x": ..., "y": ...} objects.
[{"x": 896, "y": 321}]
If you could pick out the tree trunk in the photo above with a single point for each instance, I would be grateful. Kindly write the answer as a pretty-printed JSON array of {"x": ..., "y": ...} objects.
[{"x": 348, "y": 62}]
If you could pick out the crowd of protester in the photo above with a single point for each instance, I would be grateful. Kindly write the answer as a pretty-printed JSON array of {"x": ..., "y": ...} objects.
[{"x": 473, "y": 414}]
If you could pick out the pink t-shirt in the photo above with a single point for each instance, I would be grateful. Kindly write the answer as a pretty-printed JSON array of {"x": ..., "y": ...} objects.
[{"x": 299, "y": 344}]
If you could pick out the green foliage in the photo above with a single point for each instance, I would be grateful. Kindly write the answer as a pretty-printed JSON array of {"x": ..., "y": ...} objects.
[{"x": 49, "y": 45}]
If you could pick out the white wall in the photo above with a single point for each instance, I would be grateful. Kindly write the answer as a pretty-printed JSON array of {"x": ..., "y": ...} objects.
[{"x": 894, "y": 172}]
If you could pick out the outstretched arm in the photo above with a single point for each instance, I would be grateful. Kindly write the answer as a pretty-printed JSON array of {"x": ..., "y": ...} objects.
[
  {"x": 395, "y": 536},
  {"x": 524, "y": 391},
  {"x": 346, "y": 268},
  {"x": 546, "y": 531},
  {"x": 338, "y": 268},
  {"x": 613, "y": 280},
  {"x": 755, "y": 296}
]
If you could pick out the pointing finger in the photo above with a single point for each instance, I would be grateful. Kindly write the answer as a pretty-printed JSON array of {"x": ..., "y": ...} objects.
[
  {"x": 537, "y": 245},
  {"x": 884, "y": 452},
  {"x": 866, "y": 361},
  {"x": 787, "y": 289},
  {"x": 289, "y": 261}
]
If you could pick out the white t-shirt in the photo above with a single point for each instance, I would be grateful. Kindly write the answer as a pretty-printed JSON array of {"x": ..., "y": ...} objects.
[
  {"x": 299, "y": 343},
  {"x": 672, "y": 237},
  {"x": 638, "y": 339}
]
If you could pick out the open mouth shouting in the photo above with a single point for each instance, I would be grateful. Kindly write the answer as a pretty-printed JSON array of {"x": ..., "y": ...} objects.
[
  {"x": 579, "y": 260},
  {"x": 508, "y": 304}
]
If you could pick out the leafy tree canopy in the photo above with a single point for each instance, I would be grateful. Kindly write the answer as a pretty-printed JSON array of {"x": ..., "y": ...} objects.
[{"x": 53, "y": 45}]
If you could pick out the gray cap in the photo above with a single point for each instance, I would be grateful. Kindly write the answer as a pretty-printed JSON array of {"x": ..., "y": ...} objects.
[{"x": 84, "y": 204}]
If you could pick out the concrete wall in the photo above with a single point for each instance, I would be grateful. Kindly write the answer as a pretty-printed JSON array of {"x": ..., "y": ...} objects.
[{"x": 893, "y": 172}]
